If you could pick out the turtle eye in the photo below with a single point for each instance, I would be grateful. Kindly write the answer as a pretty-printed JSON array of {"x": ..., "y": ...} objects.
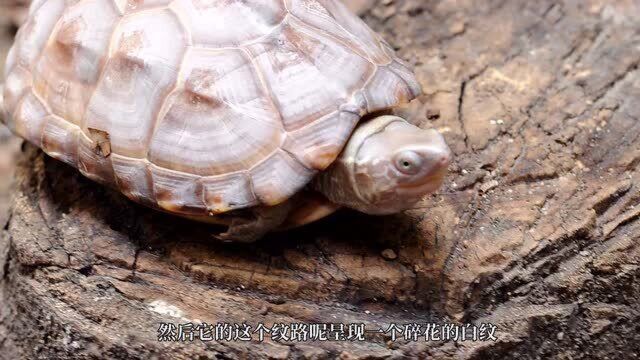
[{"x": 408, "y": 162}]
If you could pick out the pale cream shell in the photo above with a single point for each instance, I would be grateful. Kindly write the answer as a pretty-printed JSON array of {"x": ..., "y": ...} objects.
[{"x": 198, "y": 106}]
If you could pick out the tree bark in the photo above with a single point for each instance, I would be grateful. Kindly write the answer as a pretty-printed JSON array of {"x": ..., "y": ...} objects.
[{"x": 537, "y": 230}]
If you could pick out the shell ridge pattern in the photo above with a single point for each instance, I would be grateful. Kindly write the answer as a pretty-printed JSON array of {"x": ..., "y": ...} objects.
[
  {"x": 297, "y": 158},
  {"x": 402, "y": 79},
  {"x": 177, "y": 172},
  {"x": 84, "y": 135},
  {"x": 25, "y": 124},
  {"x": 12, "y": 125},
  {"x": 176, "y": 85},
  {"x": 147, "y": 164},
  {"x": 175, "y": 191},
  {"x": 325, "y": 9},
  {"x": 240, "y": 46},
  {"x": 173, "y": 171},
  {"x": 225, "y": 24},
  {"x": 15, "y": 88},
  {"x": 263, "y": 84},
  {"x": 310, "y": 60},
  {"x": 35, "y": 5},
  {"x": 334, "y": 82},
  {"x": 130, "y": 52},
  {"x": 333, "y": 37},
  {"x": 37, "y": 140},
  {"x": 56, "y": 25},
  {"x": 248, "y": 121},
  {"x": 396, "y": 67},
  {"x": 226, "y": 102},
  {"x": 44, "y": 103},
  {"x": 28, "y": 28},
  {"x": 188, "y": 37},
  {"x": 365, "y": 106},
  {"x": 112, "y": 40},
  {"x": 15, "y": 57},
  {"x": 184, "y": 24},
  {"x": 74, "y": 57},
  {"x": 134, "y": 52},
  {"x": 295, "y": 56},
  {"x": 130, "y": 7},
  {"x": 269, "y": 183},
  {"x": 62, "y": 139},
  {"x": 120, "y": 10},
  {"x": 165, "y": 105}
]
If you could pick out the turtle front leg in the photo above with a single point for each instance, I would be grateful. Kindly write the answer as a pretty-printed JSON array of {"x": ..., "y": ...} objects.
[{"x": 262, "y": 220}]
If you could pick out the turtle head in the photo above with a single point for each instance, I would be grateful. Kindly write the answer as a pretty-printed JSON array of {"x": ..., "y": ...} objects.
[
  {"x": 397, "y": 164},
  {"x": 387, "y": 166}
]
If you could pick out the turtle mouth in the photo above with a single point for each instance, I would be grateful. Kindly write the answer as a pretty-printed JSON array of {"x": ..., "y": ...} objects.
[{"x": 426, "y": 185}]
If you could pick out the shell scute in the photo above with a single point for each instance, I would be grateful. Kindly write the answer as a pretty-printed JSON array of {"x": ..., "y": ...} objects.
[
  {"x": 141, "y": 71},
  {"x": 198, "y": 106},
  {"x": 387, "y": 89},
  {"x": 177, "y": 192},
  {"x": 10, "y": 61},
  {"x": 35, "y": 32},
  {"x": 229, "y": 23},
  {"x": 318, "y": 144},
  {"x": 92, "y": 163},
  {"x": 228, "y": 192},
  {"x": 278, "y": 177},
  {"x": 246, "y": 127},
  {"x": 60, "y": 140},
  {"x": 29, "y": 119},
  {"x": 401, "y": 69},
  {"x": 17, "y": 83},
  {"x": 308, "y": 75},
  {"x": 35, "y": 5},
  {"x": 134, "y": 179},
  {"x": 70, "y": 64},
  {"x": 333, "y": 17},
  {"x": 132, "y": 6}
]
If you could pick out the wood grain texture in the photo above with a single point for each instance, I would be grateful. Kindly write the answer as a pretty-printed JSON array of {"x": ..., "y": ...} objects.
[{"x": 537, "y": 230}]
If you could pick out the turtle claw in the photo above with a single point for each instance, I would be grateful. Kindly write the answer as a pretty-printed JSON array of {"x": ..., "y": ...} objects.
[
  {"x": 242, "y": 231},
  {"x": 264, "y": 220},
  {"x": 224, "y": 237}
]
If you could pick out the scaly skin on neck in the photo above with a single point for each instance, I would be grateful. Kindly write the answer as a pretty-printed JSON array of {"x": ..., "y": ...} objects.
[{"x": 387, "y": 166}]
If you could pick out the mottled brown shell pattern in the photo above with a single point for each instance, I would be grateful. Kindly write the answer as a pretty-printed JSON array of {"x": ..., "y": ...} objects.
[{"x": 198, "y": 106}]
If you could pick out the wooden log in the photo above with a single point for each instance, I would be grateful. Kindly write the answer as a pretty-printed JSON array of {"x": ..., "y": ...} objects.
[{"x": 536, "y": 232}]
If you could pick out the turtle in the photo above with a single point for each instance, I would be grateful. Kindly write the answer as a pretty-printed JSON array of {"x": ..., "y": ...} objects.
[{"x": 256, "y": 114}]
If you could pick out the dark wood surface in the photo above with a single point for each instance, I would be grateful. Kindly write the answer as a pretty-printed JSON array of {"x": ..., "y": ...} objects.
[{"x": 537, "y": 230}]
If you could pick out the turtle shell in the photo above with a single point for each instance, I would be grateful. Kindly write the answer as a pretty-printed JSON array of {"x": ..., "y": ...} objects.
[{"x": 198, "y": 106}]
